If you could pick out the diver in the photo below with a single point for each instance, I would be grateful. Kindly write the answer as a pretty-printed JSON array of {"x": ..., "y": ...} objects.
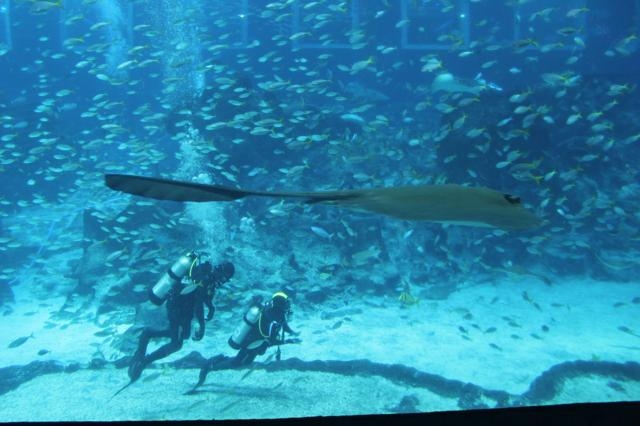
[
  {"x": 185, "y": 301},
  {"x": 262, "y": 326}
]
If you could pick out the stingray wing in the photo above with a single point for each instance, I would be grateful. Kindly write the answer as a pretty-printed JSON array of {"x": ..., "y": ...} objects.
[{"x": 446, "y": 203}]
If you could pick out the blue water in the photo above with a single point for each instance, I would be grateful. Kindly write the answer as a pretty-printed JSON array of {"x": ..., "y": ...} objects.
[{"x": 254, "y": 94}]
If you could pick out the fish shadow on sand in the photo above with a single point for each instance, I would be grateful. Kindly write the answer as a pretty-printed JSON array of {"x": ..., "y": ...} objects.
[{"x": 240, "y": 390}]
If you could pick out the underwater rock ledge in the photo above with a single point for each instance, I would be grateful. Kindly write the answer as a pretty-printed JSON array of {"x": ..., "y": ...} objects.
[
  {"x": 12, "y": 377},
  {"x": 470, "y": 396},
  {"x": 547, "y": 385}
]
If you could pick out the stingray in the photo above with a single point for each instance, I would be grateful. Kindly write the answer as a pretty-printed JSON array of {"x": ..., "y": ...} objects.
[{"x": 448, "y": 203}]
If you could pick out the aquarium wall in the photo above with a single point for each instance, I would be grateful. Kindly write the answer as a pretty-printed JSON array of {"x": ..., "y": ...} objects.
[{"x": 269, "y": 209}]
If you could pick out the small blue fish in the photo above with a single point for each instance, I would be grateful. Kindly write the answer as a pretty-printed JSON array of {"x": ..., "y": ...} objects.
[
  {"x": 321, "y": 232},
  {"x": 353, "y": 118},
  {"x": 19, "y": 341}
]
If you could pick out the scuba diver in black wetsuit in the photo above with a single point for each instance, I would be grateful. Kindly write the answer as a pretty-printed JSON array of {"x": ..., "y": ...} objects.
[
  {"x": 184, "y": 302},
  {"x": 263, "y": 326}
]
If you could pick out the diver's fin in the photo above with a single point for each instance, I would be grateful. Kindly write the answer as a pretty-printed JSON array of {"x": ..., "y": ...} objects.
[
  {"x": 215, "y": 363},
  {"x": 121, "y": 389},
  {"x": 253, "y": 366},
  {"x": 135, "y": 370},
  {"x": 201, "y": 379}
]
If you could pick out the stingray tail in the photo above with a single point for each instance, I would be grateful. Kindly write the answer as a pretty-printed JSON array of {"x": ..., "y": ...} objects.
[{"x": 335, "y": 197}]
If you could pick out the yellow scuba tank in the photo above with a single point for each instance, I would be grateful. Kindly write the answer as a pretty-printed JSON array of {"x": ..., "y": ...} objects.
[
  {"x": 238, "y": 339},
  {"x": 173, "y": 276}
]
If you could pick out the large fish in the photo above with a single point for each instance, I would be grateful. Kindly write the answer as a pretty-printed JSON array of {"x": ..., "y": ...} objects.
[{"x": 449, "y": 203}]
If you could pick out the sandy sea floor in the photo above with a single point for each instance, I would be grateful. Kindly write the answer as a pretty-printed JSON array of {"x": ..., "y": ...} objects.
[{"x": 487, "y": 335}]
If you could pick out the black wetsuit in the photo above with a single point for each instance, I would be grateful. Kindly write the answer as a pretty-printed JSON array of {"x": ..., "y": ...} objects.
[
  {"x": 264, "y": 334},
  {"x": 181, "y": 310}
]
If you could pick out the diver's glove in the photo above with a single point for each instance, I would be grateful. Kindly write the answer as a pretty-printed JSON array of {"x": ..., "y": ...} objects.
[
  {"x": 292, "y": 341},
  {"x": 199, "y": 334}
]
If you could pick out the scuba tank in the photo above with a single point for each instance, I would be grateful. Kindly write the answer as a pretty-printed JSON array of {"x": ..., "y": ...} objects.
[
  {"x": 173, "y": 276},
  {"x": 239, "y": 337}
]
